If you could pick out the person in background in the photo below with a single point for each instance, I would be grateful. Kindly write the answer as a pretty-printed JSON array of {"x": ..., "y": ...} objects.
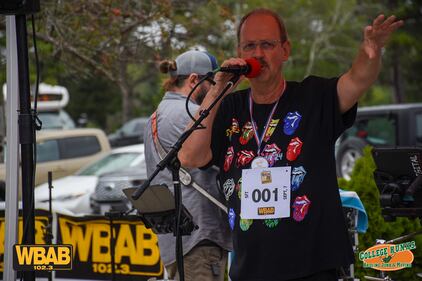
[{"x": 205, "y": 250}]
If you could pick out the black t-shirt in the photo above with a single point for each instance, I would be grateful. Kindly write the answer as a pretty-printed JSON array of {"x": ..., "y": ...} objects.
[{"x": 303, "y": 130}]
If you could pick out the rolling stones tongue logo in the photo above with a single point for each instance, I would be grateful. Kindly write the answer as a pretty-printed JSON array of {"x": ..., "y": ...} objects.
[
  {"x": 294, "y": 148},
  {"x": 271, "y": 128},
  {"x": 232, "y": 218},
  {"x": 272, "y": 153},
  {"x": 244, "y": 157},
  {"x": 247, "y": 133},
  {"x": 228, "y": 188},
  {"x": 298, "y": 175},
  {"x": 228, "y": 158},
  {"x": 291, "y": 122},
  {"x": 234, "y": 129},
  {"x": 301, "y": 207}
]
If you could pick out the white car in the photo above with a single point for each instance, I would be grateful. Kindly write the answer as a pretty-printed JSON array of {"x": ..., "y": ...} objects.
[{"x": 70, "y": 195}]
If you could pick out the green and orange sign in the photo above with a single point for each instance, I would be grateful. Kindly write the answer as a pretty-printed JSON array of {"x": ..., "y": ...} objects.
[{"x": 388, "y": 257}]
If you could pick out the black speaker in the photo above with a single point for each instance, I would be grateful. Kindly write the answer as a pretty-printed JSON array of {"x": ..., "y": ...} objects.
[{"x": 19, "y": 7}]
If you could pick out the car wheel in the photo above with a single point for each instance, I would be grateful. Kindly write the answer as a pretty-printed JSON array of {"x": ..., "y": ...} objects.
[{"x": 350, "y": 150}]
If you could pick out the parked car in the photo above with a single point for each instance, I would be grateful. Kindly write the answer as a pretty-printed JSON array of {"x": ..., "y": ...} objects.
[
  {"x": 71, "y": 194},
  {"x": 378, "y": 126},
  {"x": 63, "y": 152},
  {"x": 132, "y": 132},
  {"x": 108, "y": 194}
]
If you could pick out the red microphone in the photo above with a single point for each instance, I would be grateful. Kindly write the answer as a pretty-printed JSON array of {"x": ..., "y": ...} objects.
[{"x": 250, "y": 70}]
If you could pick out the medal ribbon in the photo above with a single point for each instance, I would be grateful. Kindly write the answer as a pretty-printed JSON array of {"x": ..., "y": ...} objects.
[{"x": 255, "y": 130}]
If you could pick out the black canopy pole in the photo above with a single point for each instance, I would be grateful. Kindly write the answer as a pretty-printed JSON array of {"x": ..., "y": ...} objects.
[{"x": 26, "y": 138}]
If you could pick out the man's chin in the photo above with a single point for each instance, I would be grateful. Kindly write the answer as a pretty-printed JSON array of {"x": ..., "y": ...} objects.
[{"x": 263, "y": 75}]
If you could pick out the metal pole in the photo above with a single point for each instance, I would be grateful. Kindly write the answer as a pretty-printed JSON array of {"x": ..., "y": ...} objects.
[
  {"x": 112, "y": 246},
  {"x": 49, "y": 229},
  {"x": 26, "y": 138},
  {"x": 12, "y": 153}
]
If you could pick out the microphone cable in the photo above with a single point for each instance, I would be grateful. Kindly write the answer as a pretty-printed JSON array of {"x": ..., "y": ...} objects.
[{"x": 207, "y": 77}]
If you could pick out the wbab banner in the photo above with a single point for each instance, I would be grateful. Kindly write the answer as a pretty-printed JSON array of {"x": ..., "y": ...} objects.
[
  {"x": 136, "y": 253},
  {"x": 41, "y": 223}
]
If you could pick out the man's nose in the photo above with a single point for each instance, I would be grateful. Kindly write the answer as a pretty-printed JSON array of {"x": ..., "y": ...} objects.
[{"x": 258, "y": 52}]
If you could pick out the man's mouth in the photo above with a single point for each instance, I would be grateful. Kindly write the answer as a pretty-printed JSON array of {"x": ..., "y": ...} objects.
[{"x": 263, "y": 63}]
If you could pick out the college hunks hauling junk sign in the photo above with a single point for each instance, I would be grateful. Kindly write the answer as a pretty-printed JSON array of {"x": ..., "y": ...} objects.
[
  {"x": 136, "y": 252},
  {"x": 388, "y": 257}
]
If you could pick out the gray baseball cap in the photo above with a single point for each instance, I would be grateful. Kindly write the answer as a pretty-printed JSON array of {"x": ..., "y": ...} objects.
[{"x": 194, "y": 62}]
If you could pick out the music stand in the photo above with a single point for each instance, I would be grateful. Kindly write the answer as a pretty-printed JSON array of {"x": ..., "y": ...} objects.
[{"x": 156, "y": 208}]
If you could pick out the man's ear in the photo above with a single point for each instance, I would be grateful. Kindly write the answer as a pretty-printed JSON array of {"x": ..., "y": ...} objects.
[
  {"x": 193, "y": 79},
  {"x": 286, "y": 50}
]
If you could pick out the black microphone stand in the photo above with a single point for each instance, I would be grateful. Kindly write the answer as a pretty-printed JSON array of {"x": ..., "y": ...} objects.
[
  {"x": 26, "y": 139},
  {"x": 48, "y": 234},
  {"x": 172, "y": 162}
]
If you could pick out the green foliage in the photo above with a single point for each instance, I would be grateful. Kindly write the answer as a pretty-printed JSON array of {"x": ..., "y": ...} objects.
[
  {"x": 376, "y": 95},
  {"x": 402, "y": 59},
  {"x": 100, "y": 99},
  {"x": 363, "y": 184}
]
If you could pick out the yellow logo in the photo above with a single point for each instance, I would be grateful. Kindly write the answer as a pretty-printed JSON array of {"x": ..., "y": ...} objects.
[
  {"x": 42, "y": 257},
  {"x": 266, "y": 211},
  {"x": 135, "y": 250},
  {"x": 388, "y": 257}
]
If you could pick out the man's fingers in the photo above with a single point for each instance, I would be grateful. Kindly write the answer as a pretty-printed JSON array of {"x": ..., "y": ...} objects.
[
  {"x": 383, "y": 26},
  {"x": 378, "y": 21},
  {"x": 224, "y": 77},
  {"x": 234, "y": 61},
  {"x": 388, "y": 21},
  {"x": 377, "y": 35},
  {"x": 367, "y": 31},
  {"x": 390, "y": 24},
  {"x": 396, "y": 25}
]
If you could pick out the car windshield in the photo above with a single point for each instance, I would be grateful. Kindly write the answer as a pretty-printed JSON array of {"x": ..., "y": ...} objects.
[
  {"x": 377, "y": 130},
  {"x": 110, "y": 163},
  {"x": 56, "y": 120},
  {"x": 419, "y": 128}
]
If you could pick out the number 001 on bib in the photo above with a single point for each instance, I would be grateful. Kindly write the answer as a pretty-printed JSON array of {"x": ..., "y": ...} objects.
[{"x": 265, "y": 193}]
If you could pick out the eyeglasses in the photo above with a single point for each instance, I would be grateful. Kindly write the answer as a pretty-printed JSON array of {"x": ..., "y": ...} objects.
[{"x": 265, "y": 45}]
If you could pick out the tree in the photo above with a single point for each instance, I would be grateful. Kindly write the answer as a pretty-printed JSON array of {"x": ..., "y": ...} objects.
[
  {"x": 119, "y": 40},
  {"x": 103, "y": 38},
  {"x": 404, "y": 59}
]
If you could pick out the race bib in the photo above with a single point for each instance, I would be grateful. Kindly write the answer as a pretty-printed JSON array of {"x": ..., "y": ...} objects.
[{"x": 265, "y": 193}]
